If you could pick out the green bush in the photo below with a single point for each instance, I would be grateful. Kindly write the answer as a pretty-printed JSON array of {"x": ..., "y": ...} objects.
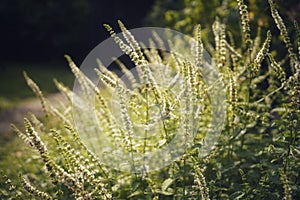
[
  {"x": 182, "y": 15},
  {"x": 257, "y": 155}
]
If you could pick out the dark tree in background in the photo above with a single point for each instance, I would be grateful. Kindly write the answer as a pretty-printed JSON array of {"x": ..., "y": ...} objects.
[
  {"x": 131, "y": 13},
  {"x": 43, "y": 30}
]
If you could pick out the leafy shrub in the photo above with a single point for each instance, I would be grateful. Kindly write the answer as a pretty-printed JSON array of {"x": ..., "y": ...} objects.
[
  {"x": 183, "y": 15},
  {"x": 257, "y": 156}
]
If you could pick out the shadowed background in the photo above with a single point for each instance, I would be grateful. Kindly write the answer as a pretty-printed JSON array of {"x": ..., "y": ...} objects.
[{"x": 36, "y": 34}]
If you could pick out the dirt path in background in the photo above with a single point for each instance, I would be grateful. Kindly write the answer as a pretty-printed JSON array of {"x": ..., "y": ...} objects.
[{"x": 17, "y": 114}]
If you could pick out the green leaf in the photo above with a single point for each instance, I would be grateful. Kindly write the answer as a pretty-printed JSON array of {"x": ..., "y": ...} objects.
[
  {"x": 136, "y": 193},
  {"x": 166, "y": 184},
  {"x": 167, "y": 193}
]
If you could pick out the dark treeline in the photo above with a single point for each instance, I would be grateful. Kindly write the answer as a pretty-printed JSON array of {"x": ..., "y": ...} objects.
[{"x": 35, "y": 30}]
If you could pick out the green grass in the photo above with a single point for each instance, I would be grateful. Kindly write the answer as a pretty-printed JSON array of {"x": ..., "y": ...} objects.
[
  {"x": 13, "y": 156},
  {"x": 13, "y": 88},
  {"x": 13, "y": 91}
]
